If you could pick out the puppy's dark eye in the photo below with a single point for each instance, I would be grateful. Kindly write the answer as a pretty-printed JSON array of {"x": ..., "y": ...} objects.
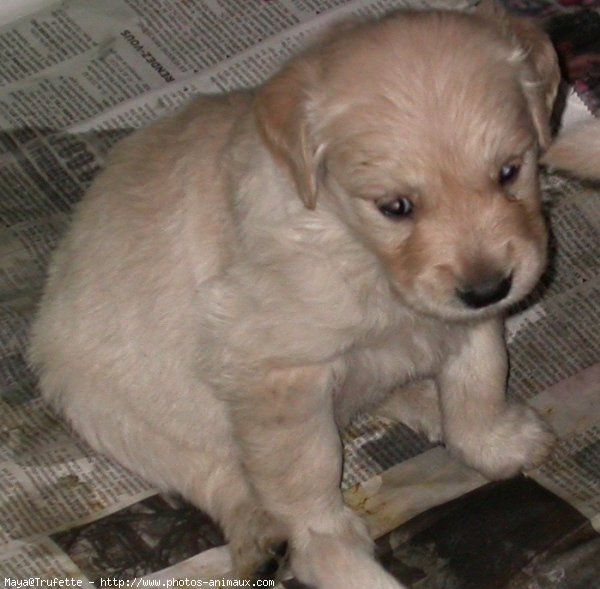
[
  {"x": 396, "y": 209},
  {"x": 508, "y": 173}
]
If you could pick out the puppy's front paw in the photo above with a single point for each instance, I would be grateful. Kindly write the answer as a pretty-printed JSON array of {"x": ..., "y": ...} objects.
[
  {"x": 519, "y": 439},
  {"x": 340, "y": 556},
  {"x": 336, "y": 552}
]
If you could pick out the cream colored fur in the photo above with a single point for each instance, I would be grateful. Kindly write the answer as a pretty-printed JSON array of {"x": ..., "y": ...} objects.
[{"x": 230, "y": 294}]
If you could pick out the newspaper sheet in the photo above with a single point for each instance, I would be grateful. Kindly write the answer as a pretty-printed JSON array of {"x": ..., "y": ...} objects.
[{"x": 74, "y": 79}]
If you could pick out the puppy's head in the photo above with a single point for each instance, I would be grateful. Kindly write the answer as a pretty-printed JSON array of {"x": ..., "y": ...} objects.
[{"x": 422, "y": 132}]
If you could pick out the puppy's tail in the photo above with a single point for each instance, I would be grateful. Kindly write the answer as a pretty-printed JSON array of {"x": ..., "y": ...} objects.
[{"x": 576, "y": 151}]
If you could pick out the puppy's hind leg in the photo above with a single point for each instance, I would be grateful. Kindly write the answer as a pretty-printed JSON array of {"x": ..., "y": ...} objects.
[{"x": 207, "y": 473}]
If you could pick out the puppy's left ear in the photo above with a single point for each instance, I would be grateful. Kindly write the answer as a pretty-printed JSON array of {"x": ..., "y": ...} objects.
[
  {"x": 541, "y": 77},
  {"x": 281, "y": 109}
]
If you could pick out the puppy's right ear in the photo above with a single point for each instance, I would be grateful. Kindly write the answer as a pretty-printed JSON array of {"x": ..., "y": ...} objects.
[{"x": 281, "y": 110}]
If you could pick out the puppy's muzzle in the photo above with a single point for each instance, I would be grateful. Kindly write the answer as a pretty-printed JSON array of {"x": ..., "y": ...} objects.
[{"x": 485, "y": 292}]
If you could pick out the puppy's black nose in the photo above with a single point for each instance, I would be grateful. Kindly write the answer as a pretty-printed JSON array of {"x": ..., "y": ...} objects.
[{"x": 486, "y": 292}]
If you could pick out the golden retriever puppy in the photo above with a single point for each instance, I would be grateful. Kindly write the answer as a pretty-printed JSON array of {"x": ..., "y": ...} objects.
[{"x": 247, "y": 275}]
